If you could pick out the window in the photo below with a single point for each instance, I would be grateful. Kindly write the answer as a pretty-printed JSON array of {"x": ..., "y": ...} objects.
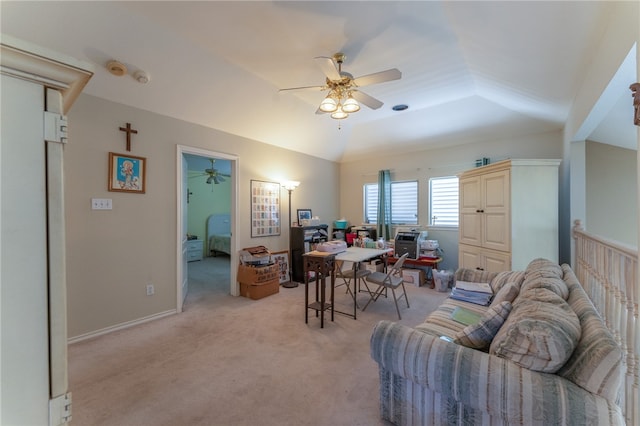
[
  {"x": 443, "y": 201},
  {"x": 404, "y": 203}
]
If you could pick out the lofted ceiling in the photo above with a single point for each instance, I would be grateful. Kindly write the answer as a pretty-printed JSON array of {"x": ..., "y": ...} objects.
[{"x": 471, "y": 71}]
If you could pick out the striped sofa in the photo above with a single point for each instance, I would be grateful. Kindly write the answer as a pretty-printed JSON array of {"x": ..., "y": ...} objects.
[{"x": 549, "y": 361}]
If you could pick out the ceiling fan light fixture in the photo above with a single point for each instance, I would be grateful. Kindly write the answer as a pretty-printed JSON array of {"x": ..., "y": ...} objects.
[
  {"x": 350, "y": 105},
  {"x": 329, "y": 104},
  {"x": 339, "y": 114},
  {"x": 210, "y": 179}
]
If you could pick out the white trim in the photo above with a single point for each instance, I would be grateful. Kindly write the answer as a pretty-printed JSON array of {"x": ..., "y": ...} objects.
[{"x": 120, "y": 326}]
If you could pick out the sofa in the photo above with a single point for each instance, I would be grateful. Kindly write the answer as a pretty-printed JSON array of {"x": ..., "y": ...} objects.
[{"x": 540, "y": 354}]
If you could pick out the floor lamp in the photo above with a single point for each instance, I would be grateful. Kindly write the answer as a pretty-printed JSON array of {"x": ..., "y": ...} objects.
[{"x": 290, "y": 186}]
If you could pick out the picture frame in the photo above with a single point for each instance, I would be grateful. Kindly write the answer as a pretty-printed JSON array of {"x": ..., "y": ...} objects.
[
  {"x": 281, "y": 258},
  {"x": 303, "y": 214},
  {"x": 127, "y": 173},
  {"x": 265, "y": 208}
]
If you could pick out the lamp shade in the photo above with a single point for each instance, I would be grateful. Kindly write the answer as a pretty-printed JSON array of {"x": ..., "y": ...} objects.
[
  {"x": 290, "y": 185},
  {"x": 329, "y": 104},
  {"x": 339, "y": 114},
  {"x": 350, "y": 105}
]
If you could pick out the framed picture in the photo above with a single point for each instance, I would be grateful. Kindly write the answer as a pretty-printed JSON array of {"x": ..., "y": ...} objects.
[
  {"x": 265, "y": 208},
  {"x": 281, "y": 258},
  {"x": 127, "y": 173},
  {"x": 303, "y": 214}
]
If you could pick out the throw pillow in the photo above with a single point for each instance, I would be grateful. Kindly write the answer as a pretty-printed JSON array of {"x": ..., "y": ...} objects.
[
  {"x": 480, "y": 335},
  {"x": 508, "y": 293},
  {"x": 540, "y": 336}
]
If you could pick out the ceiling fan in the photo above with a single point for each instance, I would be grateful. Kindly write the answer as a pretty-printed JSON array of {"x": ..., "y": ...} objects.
[
  {"x": 213, "y": 175},
  {"x": 344, "y": 93}
]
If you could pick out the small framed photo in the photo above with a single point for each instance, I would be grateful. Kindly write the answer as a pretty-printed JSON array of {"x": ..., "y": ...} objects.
[
  {"x": 303, "y": 214},
  {"x": 127, "y": 173},
  {"x": 281, "y": 258}
]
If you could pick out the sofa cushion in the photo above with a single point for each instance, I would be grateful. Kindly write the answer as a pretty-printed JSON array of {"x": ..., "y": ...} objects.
[
  {"x": 480, "y": 335},
  {"x": 597, "y": 362},
  {"x": 505, "y": 277},
  {"x": 545, "y": 267},
  {"x": 538, "y": 335},
  {"x": 507, "y": 293}
]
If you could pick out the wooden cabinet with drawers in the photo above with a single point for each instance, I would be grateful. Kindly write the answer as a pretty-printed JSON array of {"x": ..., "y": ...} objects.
[{"x": 508, "y": 214}]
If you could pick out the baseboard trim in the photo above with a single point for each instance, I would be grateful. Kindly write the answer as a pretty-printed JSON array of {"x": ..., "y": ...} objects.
[{"x": 121, "y": 326}]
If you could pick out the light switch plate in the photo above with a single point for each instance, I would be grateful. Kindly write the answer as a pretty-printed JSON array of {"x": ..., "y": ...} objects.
[{"x": 101, "y": 204}]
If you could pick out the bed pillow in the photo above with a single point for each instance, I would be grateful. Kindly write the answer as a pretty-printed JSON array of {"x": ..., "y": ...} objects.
[{"x": 480, "y": 335}]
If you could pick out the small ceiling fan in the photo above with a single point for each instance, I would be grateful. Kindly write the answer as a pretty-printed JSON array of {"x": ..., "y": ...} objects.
[
  {"x": 344, "y": 93},
  {"x": 213, "y": 175}
]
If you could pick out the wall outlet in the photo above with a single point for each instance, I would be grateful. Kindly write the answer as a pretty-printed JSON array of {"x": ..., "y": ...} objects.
[{"x": 150, "y": 290}]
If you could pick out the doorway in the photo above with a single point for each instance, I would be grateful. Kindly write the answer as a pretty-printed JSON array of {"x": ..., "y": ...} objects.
[{"x": 207, "y": 181}]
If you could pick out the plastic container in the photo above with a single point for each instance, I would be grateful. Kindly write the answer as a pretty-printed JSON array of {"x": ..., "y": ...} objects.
[{"x": 340, "y": 224}]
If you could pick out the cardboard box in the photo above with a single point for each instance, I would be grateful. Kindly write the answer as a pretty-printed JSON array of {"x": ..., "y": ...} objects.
[
  {"x": 257, "y": 274},
  {"x": 373, "y": 266},
  {"x": 258, "y": 255},
  {"x": 258, "y": 291},
  {"x": 413, "y": 276}
]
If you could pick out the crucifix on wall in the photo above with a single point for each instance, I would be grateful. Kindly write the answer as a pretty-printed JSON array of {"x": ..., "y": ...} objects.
[{"x": 128, "y": 130}]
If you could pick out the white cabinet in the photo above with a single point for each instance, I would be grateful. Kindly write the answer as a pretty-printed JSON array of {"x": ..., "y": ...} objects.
[
  {"x": 508, "y": 214},
  {"x": 194, "y": 250}
]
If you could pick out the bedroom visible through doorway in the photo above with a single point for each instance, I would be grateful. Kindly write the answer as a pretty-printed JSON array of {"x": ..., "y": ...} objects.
[{"x": 206, "y": 203}]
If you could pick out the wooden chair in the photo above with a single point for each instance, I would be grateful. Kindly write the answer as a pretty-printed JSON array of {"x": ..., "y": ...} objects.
[{"x": 391, "y": 280}]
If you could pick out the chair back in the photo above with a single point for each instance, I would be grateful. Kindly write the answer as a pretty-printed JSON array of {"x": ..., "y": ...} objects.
[{"x": 396, "y": 269}]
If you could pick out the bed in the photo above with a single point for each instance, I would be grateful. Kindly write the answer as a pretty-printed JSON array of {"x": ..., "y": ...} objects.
[{"x": 219, "y": 233}]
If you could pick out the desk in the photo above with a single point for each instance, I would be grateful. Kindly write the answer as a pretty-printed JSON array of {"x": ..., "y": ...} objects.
[
  {"x": 357, "y": 255},
  {"x": 423, "y": 261}
]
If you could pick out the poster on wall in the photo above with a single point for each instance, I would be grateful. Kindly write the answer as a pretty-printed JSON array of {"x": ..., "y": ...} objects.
[
  {"x": 265, "y": 208},
  {"x": 127, "y": 173},
  {"x": 281, "y": 258}
]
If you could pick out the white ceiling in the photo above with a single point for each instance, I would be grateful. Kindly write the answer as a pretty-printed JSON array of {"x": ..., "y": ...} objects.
[{"x": 471, "y": 71}]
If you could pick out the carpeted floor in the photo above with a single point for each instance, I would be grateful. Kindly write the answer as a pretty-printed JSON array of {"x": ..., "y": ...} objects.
[{"x": 234, "y": 361}]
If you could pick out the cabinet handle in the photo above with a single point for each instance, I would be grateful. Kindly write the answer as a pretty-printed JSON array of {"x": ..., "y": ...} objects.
[
  {"x": 479, "y": 211},
  {"x": 479, "y": 268}
]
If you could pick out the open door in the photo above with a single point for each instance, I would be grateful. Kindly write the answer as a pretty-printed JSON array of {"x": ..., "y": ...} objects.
[{"x": 181, "y": 238}]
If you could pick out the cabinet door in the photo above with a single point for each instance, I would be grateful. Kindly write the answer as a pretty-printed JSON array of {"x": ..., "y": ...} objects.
[
  {"x": 469, "y": 257},
  {"x": 496, "y": 261},
  {"x": 470, "y": 225},
  {"x": 472, "y": 257},
  {"x": 496, "y": 226}
]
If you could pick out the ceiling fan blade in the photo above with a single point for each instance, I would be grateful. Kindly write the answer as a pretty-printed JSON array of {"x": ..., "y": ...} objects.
[
  {"x": 367, "y": 100},
  {"x": 328, "y": 67},
  {"x": 378, "y": 77},
  {"x": 317, "y": 88}
]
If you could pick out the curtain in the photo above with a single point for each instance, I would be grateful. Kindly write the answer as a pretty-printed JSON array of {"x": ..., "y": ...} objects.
[{"x": 384, "y": 204}]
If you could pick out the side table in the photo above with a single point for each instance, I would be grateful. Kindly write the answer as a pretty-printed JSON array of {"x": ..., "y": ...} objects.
[{"x": 322, "y": 265}]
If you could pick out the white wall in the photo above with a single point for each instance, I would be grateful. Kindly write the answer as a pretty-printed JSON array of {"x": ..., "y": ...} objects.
[
  {"x": 611, "y": 192},
  {"x": 618, "y": 39},
  {"x": 112, "y": 255},
  {"x": 433, "y": 163}
]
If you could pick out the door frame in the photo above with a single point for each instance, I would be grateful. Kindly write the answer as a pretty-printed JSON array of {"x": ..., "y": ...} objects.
[{"x": 181, "y": 215}]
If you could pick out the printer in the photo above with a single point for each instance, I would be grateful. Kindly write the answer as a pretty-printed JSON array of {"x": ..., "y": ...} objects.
[{"x": 409, "y": 242}]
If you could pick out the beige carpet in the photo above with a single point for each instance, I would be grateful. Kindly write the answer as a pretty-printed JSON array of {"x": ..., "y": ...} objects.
[{"x": 235, "y": 361}]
